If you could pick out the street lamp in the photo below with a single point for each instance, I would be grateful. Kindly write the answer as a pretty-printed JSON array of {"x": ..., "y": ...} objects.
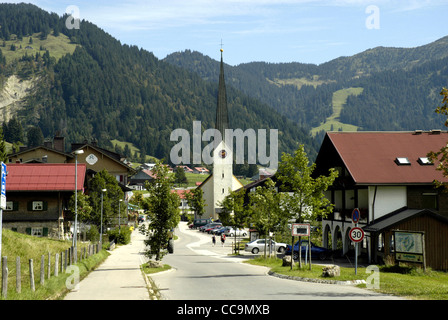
[
  {"x": 119, "y": 216},
  {"x": 101, "y": 230},
  {"x": 75, "y": 231}
]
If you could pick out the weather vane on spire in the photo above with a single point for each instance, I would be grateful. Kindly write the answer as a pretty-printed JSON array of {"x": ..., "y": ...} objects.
[{"x": 221, "y": 46}]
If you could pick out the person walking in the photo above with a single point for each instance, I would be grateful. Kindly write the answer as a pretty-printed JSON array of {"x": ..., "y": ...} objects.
[
  {"x": 213, "y": 240},
  {"x": 223, "y": 239}
]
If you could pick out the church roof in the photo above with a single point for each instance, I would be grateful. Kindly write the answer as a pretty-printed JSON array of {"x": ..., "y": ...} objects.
[{"x": 222, "y": 116}]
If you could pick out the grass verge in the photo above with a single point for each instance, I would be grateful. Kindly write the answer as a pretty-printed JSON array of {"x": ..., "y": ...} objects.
[{"x": 403, "y": 281}]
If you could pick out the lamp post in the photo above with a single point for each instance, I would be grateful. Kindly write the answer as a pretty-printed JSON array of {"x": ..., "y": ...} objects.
[
  {"x": 75, "y": 231},
  {"x": 119, "y": 216},
  {"x": 101, "y": 229}
]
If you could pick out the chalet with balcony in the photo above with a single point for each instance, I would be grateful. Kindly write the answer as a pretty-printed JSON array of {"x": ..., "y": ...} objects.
[{"x": 388, "y": 177}]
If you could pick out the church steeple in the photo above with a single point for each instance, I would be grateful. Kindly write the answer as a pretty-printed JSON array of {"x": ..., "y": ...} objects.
[{"x": 222, "y": 117}]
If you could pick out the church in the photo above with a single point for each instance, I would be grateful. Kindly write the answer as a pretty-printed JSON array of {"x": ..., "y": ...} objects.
[{"x": 218, "y": 185}]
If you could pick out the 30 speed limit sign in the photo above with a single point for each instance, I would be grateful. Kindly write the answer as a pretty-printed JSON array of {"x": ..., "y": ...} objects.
[{"x": 356, "y": 234}]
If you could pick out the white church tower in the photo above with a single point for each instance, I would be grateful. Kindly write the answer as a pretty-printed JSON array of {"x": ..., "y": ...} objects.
[{"x": 216, "y": 187}]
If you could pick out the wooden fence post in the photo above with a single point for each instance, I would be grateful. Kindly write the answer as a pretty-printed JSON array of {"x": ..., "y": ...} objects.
[
  {"x": 18, "y": 276},
  {"x": 42, "y": 269},
  {"x": 56, "y": 264},
  {"x": 49, "y": 266},
  {"x": 33, "y": 288},
  {"x": 4, "y": 277}
]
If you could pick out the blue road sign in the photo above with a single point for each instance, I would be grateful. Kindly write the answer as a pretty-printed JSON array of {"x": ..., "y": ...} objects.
[{"x": 355, "y": 215}]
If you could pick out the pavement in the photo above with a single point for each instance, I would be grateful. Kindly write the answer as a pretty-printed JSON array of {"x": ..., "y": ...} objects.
[{"x": 119, "y": 277}]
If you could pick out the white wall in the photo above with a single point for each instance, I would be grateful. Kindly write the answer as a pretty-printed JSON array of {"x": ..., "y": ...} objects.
[{"x": 387, "y": 199}]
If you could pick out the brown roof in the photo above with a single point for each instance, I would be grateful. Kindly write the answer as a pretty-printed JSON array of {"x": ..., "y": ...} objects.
[{"x": 370, "y": 157}]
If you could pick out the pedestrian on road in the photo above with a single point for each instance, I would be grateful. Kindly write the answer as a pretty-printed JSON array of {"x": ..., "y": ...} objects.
[
  {"x": 223, "y": 239},
  {"x": 213, "y": 240}
]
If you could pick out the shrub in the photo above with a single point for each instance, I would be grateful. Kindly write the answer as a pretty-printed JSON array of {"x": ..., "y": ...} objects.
[{"x": 120, "y": 237}]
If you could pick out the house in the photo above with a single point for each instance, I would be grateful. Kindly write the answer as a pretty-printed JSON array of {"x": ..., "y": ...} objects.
[
  {"x": 37, "y": 197},
  {"x": 200, "y": 170},
  {"x": 186, "y": 169},
  {"x": 183, "y": 207},
  {"x": 47, "y": 153},
  {"x": 97, "y": 159},
  {"x": 381, "y": 174},
  {"x": 137, "y": 182}
]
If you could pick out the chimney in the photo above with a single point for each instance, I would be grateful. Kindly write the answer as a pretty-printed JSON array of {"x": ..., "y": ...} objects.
[{"x": 59, "y": 143}]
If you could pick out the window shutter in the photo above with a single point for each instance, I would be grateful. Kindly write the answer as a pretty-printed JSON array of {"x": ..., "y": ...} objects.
[
  {"x": 30, "y": 206},
  {"x": 45, "y": 232},
  {"x": 28, "y": 231},
  {"x": 45, "y": 206},
  {"x": 15, "y": 205}
]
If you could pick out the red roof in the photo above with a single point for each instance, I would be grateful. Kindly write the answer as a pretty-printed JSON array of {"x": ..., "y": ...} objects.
[
  {"x": 181, "y": 192},
  {"x": 44, "y": 176},
  {"x": 370, "y": 156}
]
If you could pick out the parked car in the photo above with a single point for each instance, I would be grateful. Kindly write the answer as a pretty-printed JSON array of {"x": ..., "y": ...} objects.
[
  {"x": 211, "y": 229},
  {"x": 197, "y": 223},
  {"x": 239, "y": 232},
  {"x": 219, "y": 231},
  {"x": 316, "y": 251},
  {"x": 259, "y": 244},
  {"x": 209, "y": 225}
]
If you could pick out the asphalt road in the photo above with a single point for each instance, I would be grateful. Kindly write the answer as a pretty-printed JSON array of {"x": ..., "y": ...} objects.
[{"x": 205, "y": 272}]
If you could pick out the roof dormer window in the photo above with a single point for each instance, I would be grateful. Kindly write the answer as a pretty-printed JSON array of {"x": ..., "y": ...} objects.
[
  {"x": 402, "y": 161},
  {"x": 424, "y": 161}
]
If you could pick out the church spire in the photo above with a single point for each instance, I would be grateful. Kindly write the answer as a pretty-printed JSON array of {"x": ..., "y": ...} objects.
[{"x": 222, "y": 117}]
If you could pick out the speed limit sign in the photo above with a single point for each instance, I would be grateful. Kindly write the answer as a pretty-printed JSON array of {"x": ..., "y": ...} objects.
[{"x": 356, "y": 234}]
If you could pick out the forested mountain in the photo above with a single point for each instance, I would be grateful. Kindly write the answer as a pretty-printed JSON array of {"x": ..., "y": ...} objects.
[
  {"x": 400, "y": 86},
  {"x": 106, "y": 90}
]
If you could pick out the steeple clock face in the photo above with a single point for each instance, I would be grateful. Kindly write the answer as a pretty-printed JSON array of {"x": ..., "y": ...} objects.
[{"x": 223, "y": 154}]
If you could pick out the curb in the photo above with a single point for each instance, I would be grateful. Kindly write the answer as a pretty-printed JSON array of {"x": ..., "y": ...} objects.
[{"x": 348, "y": 282}]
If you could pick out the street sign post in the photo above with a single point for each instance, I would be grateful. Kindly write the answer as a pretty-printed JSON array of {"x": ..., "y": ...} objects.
[
  {"x": 3, "y": 201},
  {"x": 356, "y": 235}
]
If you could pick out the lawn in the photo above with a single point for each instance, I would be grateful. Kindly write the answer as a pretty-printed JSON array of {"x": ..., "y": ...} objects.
[
  {"x": 28, "y": 247},
  {"x": 411, "y": 283}
]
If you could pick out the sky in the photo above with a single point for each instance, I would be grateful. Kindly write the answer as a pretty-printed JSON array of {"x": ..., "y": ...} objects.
[{"x": 306, "y": 31}]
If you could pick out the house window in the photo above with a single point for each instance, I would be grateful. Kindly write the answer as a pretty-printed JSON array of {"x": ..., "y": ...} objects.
[
  {"x": 38, "y": 205},
  {"x": 12, "y": 206},
  {"x": 38, "y": 232},
  {"x": 429, "y": 201},
  {"x": 402, "y": 161},
  {"x": 424, "y": 161}
]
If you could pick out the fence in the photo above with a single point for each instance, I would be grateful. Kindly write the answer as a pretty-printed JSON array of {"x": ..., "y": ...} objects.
[{"x": 61, "y": 261}]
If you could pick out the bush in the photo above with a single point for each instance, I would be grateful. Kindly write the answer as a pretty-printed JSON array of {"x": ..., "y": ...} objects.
[
  {"x": 120, "y": 237},
  {"x": 93, "y": 234}
]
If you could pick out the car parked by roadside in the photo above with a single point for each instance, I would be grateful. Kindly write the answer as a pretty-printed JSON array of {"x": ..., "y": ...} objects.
[
  {"x": 219, "y": 231},
  {"x": 258, "y": 245},
  {"x": 209, "y": 225},
  {"x": 239, "y": 232},
  {"x": 316, "y": 251}
]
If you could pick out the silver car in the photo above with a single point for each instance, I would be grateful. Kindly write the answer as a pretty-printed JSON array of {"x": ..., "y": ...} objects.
[
  {"x": 230, "y": 232},
  {"x": 259, "y": 244}
]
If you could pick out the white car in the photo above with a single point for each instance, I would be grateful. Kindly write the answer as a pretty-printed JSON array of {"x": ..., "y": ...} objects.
[
  {"x": 259, "y": 244},
  {"x": 230, "y": 232}
]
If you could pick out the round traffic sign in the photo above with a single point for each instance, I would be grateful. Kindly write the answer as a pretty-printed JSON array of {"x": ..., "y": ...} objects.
[
  {"x": 355, "y": 215},
  {"x": 356, "y": 234}
]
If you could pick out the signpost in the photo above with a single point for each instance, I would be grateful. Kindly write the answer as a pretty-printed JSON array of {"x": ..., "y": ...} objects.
[
  {"x": 301, "y": 230},
  {"x": 356, "y": 235},
  {"x": 3, "y": 201}
]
